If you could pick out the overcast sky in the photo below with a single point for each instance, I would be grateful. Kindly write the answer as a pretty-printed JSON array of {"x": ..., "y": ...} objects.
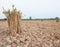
[{"x": 33, "y": 8}]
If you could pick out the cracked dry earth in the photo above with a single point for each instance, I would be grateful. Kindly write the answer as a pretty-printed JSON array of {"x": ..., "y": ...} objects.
[{"x": 36, "y": 33}]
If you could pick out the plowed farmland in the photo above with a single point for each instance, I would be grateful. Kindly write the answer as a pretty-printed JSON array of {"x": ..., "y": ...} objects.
[{"x": 35, "y": 33}]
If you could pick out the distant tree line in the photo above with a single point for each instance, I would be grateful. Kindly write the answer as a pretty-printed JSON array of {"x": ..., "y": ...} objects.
[
  {"x": 3, "y": 19},
  {"x": 30, "y": 18}
]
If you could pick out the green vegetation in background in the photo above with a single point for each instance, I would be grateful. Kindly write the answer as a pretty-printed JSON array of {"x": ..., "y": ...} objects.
[{"x": 30, "y": 18}]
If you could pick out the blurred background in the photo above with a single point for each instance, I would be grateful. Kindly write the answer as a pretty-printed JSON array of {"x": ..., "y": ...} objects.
[{"x": 35, "y": 9}]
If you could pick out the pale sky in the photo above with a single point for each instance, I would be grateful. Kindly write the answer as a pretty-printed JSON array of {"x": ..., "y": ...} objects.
[{"x": 33, "y": 8}]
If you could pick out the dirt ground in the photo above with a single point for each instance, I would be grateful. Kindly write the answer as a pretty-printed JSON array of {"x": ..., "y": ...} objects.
[{"x": 35, "y": 33}]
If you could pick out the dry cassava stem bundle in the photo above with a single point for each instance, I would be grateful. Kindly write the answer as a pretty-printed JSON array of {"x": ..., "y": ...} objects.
[{"x": 14, "y": 21}]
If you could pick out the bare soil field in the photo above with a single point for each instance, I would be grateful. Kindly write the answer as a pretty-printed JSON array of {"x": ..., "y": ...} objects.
[{"x": 35, "y": 33}]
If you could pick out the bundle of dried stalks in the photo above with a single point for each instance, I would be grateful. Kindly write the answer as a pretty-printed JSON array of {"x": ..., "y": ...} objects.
[{"x": 14, "y": 20}]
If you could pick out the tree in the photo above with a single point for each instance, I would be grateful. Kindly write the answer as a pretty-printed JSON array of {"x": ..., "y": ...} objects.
[
  {"x": 57, "y": 19},
  {"x": 30, "y": 18}
]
